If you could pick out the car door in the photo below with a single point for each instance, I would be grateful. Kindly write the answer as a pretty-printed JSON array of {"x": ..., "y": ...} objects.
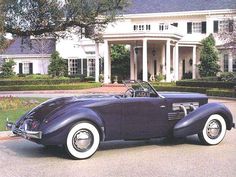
[{"x": 144, "y": 117}]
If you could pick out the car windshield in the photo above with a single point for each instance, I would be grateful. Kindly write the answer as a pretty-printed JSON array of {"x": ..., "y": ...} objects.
[{"x": 140, "y": 86}]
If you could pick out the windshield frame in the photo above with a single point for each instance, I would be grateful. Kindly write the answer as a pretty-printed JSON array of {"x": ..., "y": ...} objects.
[{"x": 151, "y": 89}]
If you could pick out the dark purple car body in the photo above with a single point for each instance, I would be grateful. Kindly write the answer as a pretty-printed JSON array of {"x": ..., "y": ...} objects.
[{"x": 147, "y": 114}]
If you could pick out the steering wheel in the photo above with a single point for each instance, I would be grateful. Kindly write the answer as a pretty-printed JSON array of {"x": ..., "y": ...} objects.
[{"x": 130, "y": 92}]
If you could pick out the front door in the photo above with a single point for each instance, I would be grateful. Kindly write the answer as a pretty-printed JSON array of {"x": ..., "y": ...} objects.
[{"x": 143, "y": 117}]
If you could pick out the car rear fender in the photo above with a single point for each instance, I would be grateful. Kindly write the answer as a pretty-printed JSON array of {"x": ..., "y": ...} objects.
[
  {"x": 194, "y": 122},
  {"x": 55, "y": 132}
]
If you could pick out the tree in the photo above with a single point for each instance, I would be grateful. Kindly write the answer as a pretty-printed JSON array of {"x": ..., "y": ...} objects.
[
  {"x": 57, "y": 66},
  {"x": 120, "y": 61},
  {"x": 228, "y": 34},
  {"x": 7, "y": 69},
  {"x": 209, "y": 58},
  {"x": 38, "y": 17}
]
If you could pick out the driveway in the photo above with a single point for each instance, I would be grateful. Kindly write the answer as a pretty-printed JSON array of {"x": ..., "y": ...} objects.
[{"x": 157, "y": 157}]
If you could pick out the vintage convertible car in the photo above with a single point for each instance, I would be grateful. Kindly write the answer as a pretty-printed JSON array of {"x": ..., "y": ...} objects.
[{"x": 81, "y": 123}]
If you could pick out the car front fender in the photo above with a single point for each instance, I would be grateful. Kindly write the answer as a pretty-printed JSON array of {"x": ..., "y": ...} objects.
[{"x": 194, "y": 122}]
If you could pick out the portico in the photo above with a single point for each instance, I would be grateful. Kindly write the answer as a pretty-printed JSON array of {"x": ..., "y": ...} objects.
[{"x": 152, "y": 56}]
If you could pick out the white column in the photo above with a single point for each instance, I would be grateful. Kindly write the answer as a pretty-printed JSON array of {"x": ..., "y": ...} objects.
[
  {"x": 168, "y": 78},
  {"x": 163, "y": 56},
  {"x": 96, "y": 62},
  {"x": 132, "y": 62},
  {"x": 107, "y": 77},
  {"x": 145, "y": 69},
  {"x": 230, "y": 69},
  {"x": 176, "y": 62},
  {"x": 194, "y": 62}
]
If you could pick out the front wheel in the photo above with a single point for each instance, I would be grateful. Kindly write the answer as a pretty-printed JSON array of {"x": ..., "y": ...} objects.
[
  {"x": 214, "y": 130},
  {"x": 82, "y": 140}
]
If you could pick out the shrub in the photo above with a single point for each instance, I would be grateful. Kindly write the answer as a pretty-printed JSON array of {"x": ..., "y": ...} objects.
[
  {"x": 7, "y": 69},
  {"x": 180, "y": 89},
  {"x": 50, "y": 87},
  {"x": 209, "y": 84},
  {"x": 160, "y": 77},
  {"x": 221, "y": 93},
  {"x": 227, "y": 77},
  {"x": 38, "y": 82},
  {"x": 188, "y": 75}
]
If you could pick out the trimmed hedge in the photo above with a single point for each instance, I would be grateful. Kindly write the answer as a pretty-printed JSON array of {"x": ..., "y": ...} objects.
[
  {"x": 50, "y": 87},
  {"x": 180, "y": 89},
  {"x": 208, "y": 84},
  {"x": 221, "y": 93},
  {"x": 209, "y": 92},
  {"x": 39, "y": 81}
]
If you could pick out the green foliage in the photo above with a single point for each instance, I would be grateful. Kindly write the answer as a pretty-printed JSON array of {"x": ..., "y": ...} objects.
[
  {"x": 57, "y": 66},
  {"x": 209, "y": 58},
  {"x": 120, "y": 61},
  {"x": 13, "y": 108},
  {"x": 50, "y": 87},
  {"x": 208, "y": 84},
  {"x": 228, "y": 77},
  {"x": 46, "y": 81},
  {"x": 51, "y": 16},
  {"x": 221, "y": 93},
  {"x": 160, "y": 77},
  {"x": 7, "y": 69}
]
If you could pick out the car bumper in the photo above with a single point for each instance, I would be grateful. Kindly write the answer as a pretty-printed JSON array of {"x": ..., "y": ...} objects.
[{"x": 23, "y": 131}]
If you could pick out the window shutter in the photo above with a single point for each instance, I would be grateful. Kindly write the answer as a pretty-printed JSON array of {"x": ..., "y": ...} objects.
[
  {"x": 20, "y": 68},
  {"x": 30, "y": 68},
  {"x": 204, "y": 27},
  {"x": 85, "y": 67},
  {"x": 231, "y": 25},
  {"x": 189, "y": 27},
  {"x": 216, "y": 26}
]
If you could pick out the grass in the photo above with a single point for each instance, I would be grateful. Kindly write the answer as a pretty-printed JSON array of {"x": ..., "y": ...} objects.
[{"x": 13, "y": 107}]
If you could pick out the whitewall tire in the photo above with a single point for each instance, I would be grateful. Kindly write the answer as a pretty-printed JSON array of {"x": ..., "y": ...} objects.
[
  {"x": 82, "y": 140},
  {"x": 214, "y": 130}
]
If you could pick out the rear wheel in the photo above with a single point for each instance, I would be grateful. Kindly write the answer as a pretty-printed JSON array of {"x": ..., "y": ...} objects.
[
  {"x": 82, "y": 140},
  {"x": 214, "y": 130}
]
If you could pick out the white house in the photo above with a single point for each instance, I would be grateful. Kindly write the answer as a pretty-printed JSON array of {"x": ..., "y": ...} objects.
[
  {"x": 80, "y": 53},
  {"x": 164, "y": 36},
  {"x": 30, "y": 55}
]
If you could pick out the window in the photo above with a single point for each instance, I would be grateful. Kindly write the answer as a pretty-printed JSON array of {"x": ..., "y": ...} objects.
[
  {"x": 223, "y": 25},
  {"x": 74, "y": 67},
  {"x": 91, "y": 67},
  {"x": 163, "y": 26},
  {"x": 197, "y": 27},
  {"x": 142, "y": 27},
  {"x": 148, "y": 27},
  {"x": 226, "y": 62},
  {"x": 234, "y": 63},
  {"x": 25, "y": 68}
]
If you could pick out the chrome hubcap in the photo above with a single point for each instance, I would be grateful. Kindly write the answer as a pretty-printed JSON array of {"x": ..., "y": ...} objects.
[
  {"x": 82, "y": 140},
  {"x": 213, "y": 129}
]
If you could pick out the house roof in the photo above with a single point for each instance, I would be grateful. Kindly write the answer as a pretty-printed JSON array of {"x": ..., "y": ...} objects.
[
  {"x": 162, "y": 6},
  {"x": 22, "y": 46}
]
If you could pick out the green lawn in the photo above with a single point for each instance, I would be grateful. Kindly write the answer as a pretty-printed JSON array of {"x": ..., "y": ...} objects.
[{"x": 12, "y": 108}]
